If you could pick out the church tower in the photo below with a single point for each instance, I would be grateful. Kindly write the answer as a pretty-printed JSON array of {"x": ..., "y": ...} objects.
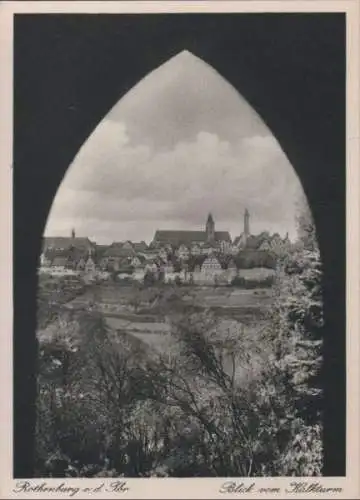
[
  {"x": 246, "y": 223},
  {"x": 210, "y": 229},
  {"x": 73, "y": 233}
]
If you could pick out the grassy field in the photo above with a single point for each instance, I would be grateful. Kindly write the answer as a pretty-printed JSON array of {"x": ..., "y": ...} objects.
[
  {"x": 150, "y": 323},
  {"x": 232, "y": 306},
  {"x": 257, "y": 273},
  {"x": 232, "y": 297},
  {"x": 119, "y": 296}
]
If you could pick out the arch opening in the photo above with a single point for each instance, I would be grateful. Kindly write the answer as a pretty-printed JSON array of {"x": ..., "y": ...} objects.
[
  {"x": 182, "y": 108},
  {"x": 180, "y": 194}
]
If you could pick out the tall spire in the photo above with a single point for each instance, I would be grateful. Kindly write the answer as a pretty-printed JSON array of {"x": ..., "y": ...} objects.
[
  {"x": 246, "y": 223},
  {"x": 73, "y": 233},
  {"x": 210, "y": 229}
]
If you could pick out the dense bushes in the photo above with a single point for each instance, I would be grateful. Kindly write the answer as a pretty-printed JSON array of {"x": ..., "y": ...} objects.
[
  {"x": 216, "y": 402},
  {"x": 248, "y": 283},
  {"x": 52, "y": 293},
  {"x": 296, "y": 329},
  {"x": 248, "y": 259}
]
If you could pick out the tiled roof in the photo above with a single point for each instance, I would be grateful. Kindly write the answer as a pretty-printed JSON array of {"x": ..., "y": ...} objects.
[
  {"x": 141, "y": 258},
  {"x": 72, "y": 255},
  {"x": 51, "y": 254},
  {"x": 187, "y": 237},
  {"x": 140, "y": 246},
  {"x": 60, "y": 261},
  {"x": 222, "y": 236},
  {"x": 62, "y": 242},
  {"x": 100, "y": 250},
  {"x": 254, "y": 242},
  {"x": 75, "y": 254},
  {"x": 117, "y": 250}
]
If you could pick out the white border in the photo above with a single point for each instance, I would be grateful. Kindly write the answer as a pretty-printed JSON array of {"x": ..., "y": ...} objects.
[{"x": 186, "y": 488}]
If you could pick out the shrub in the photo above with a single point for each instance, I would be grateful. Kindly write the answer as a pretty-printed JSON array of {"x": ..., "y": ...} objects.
[
  {"x": 221, "y": 401},
  {"x": 242, "y": 282}
]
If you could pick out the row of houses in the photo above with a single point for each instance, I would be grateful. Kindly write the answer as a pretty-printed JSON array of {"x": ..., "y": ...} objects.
[
  {"x": 208, "y": 240},
  {"x": 170, "y": 253},
  {"x": 119, "y": 257},
  {"x": 262, "y": 242},
  {"x": 212, "y": 268},
  {"x": 81, "y": 255}
]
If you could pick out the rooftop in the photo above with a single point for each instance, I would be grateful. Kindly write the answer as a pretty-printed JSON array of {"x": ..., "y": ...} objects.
[{"x": 187, "y": 237}]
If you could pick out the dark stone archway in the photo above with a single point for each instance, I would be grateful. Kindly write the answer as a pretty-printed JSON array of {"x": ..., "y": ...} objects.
[{"x": 69, "y": 70}]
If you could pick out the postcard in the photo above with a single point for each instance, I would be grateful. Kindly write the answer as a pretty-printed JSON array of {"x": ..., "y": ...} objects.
[{"x": 180, "y": 250}]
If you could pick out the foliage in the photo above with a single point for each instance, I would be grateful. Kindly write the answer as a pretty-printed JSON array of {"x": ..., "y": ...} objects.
[
  {"x": 242, "y": 282},
  {"x": 52, "y": 293},
  {"x": 306, "y": 226},
  {"x": 218, "y": 401},
  {"x": 248, "y": 259},
  {"x": 149, "y": 278},
  {"x": 296, "y": 329}
]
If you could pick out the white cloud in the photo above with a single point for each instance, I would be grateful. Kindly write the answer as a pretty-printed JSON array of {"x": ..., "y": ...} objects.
[
  {"x": 112, "y": 181},
  {"x": 180, "y": 98},
  {"x": 182, "y": 142}
]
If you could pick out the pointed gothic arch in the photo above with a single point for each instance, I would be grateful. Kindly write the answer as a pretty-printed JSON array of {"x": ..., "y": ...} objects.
[{"x": 289, "y": 70}]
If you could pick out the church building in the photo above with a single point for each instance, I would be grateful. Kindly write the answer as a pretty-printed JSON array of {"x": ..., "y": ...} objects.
[{"x": 190, "y": 238}]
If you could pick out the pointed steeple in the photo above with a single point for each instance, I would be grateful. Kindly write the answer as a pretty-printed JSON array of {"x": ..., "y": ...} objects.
[
  {"x": 210, "y": 229},
  {"x": 246, "y": 222}
]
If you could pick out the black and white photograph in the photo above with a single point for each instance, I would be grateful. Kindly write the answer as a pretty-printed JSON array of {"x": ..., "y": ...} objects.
[
  {"x": 180, "y": 242},
  {"x": 179, "y": 294}
]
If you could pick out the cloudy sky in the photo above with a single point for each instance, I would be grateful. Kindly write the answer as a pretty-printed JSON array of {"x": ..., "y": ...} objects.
[{"x": 181, "y": 143}]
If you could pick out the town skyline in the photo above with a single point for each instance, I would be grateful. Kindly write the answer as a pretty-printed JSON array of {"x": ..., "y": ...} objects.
[
  {"x": 208, "y": 252},
  {"x": 92, "y": 237}
]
